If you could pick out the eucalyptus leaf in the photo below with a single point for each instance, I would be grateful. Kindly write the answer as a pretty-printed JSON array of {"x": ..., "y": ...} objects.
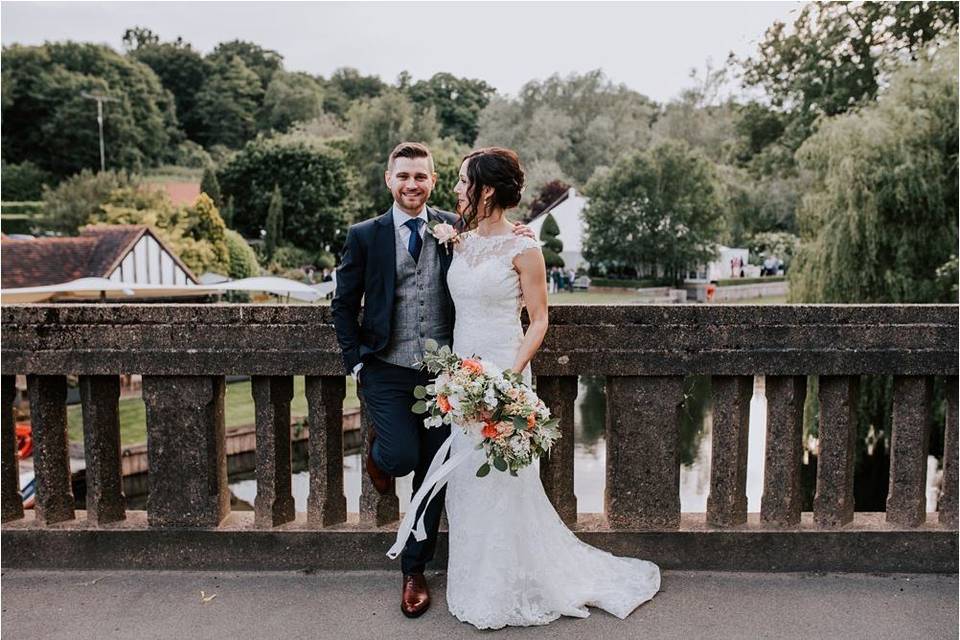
[
  {"x": 483, "y": 470},
  {"x": 419, "y": 407},
  {"x": 500, "y": 463},
  {"x": 419, "y": 392},
  {"x": 519, "y": 423},
  {"x": 430, "y": 344}
]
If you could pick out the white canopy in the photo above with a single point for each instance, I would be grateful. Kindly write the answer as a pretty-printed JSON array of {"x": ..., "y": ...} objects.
[{"x": 102, "y": 288}]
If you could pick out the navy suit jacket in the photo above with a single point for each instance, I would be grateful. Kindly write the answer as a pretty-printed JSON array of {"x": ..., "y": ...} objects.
[{"x": 367, "y": 272}]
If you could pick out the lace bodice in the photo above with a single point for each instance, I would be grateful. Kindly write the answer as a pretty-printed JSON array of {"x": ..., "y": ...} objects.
[{"x": 485, "y": 288}]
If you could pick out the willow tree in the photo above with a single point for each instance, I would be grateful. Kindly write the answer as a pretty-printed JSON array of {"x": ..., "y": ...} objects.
[{"x": 879, "y": 221}]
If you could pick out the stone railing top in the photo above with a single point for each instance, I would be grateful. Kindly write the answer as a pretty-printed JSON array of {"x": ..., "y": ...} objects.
[{"x": 161, "y": 339}]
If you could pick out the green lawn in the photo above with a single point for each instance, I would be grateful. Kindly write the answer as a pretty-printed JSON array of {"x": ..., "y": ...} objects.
[{"x": 238, "y": 410}]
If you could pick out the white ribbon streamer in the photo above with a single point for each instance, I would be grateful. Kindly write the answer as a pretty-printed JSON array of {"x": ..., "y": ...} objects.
[{"x": 436, "y": 478}]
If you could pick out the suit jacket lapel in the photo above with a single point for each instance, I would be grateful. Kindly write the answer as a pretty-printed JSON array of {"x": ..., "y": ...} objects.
[{"x": 385, "y": 246}]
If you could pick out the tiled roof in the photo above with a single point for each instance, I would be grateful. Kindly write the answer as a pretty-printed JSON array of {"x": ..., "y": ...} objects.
[
  {"x": 33, "y": 263},
  {"x": 113, "y": 242},
  {"x": 43, "y": 261}
]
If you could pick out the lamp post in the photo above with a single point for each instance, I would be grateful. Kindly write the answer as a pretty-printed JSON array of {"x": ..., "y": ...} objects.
[{"x": 100, "y": 100}]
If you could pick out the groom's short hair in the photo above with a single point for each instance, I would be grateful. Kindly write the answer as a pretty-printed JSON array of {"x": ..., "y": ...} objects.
[{"x": 410, "y": 150}]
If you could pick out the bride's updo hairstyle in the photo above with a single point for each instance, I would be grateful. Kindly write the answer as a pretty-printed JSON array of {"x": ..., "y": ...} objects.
[{"x": 494, "y": 167}]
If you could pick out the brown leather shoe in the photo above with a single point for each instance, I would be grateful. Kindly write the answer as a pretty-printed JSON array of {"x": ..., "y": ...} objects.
[
  {"x": 416, "y": 597},
  {"x": 381, "y": 481}
]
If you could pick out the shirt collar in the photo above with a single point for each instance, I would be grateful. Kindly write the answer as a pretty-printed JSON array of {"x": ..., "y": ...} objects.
[{"x": 400, "y": 217}]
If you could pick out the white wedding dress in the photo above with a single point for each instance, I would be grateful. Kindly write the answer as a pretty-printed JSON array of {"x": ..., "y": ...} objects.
[{"x": 512, "y": 560}]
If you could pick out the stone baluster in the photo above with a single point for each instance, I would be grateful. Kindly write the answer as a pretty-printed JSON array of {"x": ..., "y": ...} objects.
[
  {"x": 833, "y": 503},
  {"x": 782, "y": 498},
  {"x": 186, "y": 451},
  {"x": 101, "y": 447},
  {"x": 643, "y": 452},
  {"x": 375, "y": 509},
  {"x": 947, "y": 505},
  {"x": 51, "y": 459},
  {"x": 274, "y": 504},
  {"x": 906, "y": 498},
  {"x": 10, "y": 478},
  {"x": 556, "y": 469},
  {"x": 727, "y": 502},
  {"x": 326, "y": 504}
]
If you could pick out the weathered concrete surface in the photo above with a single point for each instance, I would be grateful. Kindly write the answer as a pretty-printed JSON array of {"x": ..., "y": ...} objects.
[
  {"x": 868, "y": 544},
  {"x": 141, "y": 605},
  {"x": 583, "y": 339},
  {"x": 101, "y": 439}
]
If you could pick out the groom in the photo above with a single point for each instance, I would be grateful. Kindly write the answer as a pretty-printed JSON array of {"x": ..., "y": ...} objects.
[{"x": 397, "y": 268}]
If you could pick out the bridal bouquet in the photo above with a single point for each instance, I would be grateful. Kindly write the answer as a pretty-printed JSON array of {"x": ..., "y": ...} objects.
[{"x": 514, "y": 423}]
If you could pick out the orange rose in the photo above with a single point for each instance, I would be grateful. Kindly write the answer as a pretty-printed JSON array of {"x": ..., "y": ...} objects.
[
  {"x": 490, "y": 430},
  {"x": 473, "y": 366},
  {"x": 531, "y": 420},
  {"x": 443, "y": 403}
]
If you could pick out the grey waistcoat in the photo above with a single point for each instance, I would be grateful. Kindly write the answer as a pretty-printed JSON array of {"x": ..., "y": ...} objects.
[{"x": 419, "y": 309}]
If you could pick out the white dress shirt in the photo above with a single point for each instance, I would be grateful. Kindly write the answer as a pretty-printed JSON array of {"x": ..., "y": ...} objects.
[{"x": 400, "y": 219}]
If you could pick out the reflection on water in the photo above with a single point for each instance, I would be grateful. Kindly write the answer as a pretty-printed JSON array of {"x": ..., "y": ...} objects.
[{"x": 871, "y": 474}]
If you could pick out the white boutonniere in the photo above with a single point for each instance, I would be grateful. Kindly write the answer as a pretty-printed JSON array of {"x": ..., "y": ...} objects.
[{"x": 445, "y": 234}]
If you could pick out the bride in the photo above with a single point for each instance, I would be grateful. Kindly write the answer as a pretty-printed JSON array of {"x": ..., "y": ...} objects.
[{"x": 512, "y": 560}]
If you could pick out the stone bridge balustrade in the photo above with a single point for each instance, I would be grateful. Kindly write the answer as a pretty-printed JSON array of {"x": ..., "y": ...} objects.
[{"x": 184, "y": 353}]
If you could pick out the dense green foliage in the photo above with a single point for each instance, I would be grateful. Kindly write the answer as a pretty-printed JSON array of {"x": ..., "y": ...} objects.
[
  {"x": 656, "y": 211},
  {"x": 72, "y": 203},
  {"x": 243, "y": 259},
  {"x": 23, "y": 181},
  {"x": 316, "y": 187},
  {"x": 48, "y": 120},
  {"x": 880, "y": 218},
  {"x": 211, "y": 186}
]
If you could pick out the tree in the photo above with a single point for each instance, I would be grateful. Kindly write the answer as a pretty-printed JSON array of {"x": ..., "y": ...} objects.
[
  {"x": 182, "y": 70},
  {"x": 880, "y": 217},
  {"x": 456, "y": 101},
  {"x": 48, "y": 121},
  {"x": 210, "y": 186},
  {"x": 552, "y": 245},
  {"x": 72, "y": 203},
  {"x": 837, "y": 55},
  {"x": 263, "y": 62},
  {"x": 23, "y": 182},
  {"x": 227, "y": 106},
  {"x": 318, "y": 191},
  {"x": 243, "y": 259},
  {"x": 656, "y": 211},
  {"x": 228, "y": 211},
  {"x": 347, "y": 86},
  {"x": 447, "y": 163},
  {"x": 582, "y": 122},
  {"x": 549, "y": 193},
  {"x": 274, "y": 222},
  {"x": 290, "y": 98}
]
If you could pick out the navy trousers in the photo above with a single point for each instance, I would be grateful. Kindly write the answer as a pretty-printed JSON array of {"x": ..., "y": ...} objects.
[{"x": 403, "y": 444}]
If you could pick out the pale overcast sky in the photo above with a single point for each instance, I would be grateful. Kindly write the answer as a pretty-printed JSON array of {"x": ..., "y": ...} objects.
[{"x": 649, "y": 46}]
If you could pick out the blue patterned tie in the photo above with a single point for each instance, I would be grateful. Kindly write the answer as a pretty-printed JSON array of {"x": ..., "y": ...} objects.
[{"x": 416, "y": 242}]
